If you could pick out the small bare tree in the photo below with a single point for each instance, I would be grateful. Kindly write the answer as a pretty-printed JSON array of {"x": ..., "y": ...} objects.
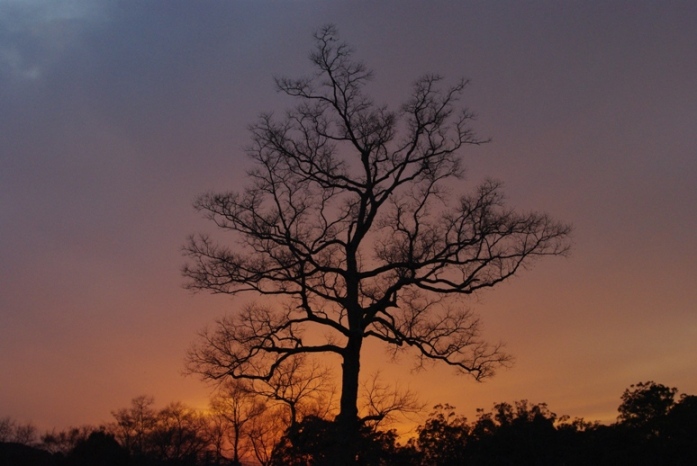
[
  {"x": 251, "y": 416},
  {"x": 382, "y": 402},
  {"x": 348, "y": 217},
  {"x": 64, "y": 441},
  {"x": 301, "y": 386},
  {"x": 133, "y": 426},
  {"x": 13, "y": 431},
  {"x": 181, "y": 434},
  {"x": 264, "y": 433},
  {"x": 236, "y": 407}
]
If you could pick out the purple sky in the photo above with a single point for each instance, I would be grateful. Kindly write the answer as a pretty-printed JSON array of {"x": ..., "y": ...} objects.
[{"x": 114, "y": 116}]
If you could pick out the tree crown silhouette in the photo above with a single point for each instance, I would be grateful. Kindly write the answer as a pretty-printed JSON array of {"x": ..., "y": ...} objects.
[{"x": 349, "y": 223}]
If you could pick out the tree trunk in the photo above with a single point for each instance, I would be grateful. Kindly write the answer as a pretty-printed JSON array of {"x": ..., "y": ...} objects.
[
  {"x": 236, "y": 447},
  {"x": 347, "y": 420}
]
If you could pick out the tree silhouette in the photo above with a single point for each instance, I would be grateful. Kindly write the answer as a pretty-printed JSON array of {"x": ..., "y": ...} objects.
[
  {"x": 301, "y": 386},
  {"x": 519, "y": 433},
  {"x": 443, "y": 438},
  {"x": 646, "y": 405},
  {"x": 313, "y": 441},
  {"x": 181, "y": 434},
  {"x": 13, "y": 431},
  {"x": 347, "y": 221},
  {"x": 98, "y": 449},
  {"x": 382, "y": 401},
  {"x": 133, "y": 426},
  {"x": 237, "y": 407},
  {"x": 65, "y": 440},
  {"x": 175, "y": 434}
]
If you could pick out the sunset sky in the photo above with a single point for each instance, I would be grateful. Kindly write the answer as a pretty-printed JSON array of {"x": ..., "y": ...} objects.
[{"x": 115, "y": 115}]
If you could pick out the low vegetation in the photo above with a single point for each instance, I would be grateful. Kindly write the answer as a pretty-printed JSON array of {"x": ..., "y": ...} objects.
[{"x": 246, "y": 426}]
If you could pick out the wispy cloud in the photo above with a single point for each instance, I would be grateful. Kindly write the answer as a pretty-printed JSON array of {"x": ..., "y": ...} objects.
[{"x": 35, "y": 33}]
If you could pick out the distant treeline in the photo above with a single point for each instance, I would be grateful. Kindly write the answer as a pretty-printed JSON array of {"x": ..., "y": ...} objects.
[{"x": 654, "y": 427}]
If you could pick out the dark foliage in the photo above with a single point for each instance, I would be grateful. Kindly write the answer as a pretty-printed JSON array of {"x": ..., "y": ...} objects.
[
  {"x": 653, "y": 428},
  {"x": 314, "y": 441},
  {"x": 99, "y": 449},
  {"x": 17, "y": 454}
]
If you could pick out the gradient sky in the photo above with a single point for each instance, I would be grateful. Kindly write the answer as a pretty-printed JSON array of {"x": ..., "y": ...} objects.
[{"x": 115, "y": 115}]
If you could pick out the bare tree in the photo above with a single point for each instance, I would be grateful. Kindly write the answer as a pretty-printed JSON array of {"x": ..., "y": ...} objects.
[
  {"x": 237, "y": 406},
  {"x": 7, "y": 425},
  {"x": 382, "y": 401},
  {"x": 64, "y": 441},
  {"x": 13, "y": 431},
  {"x": 265, "y": 432},
  {"x": 252, "y": 415},
  {"x": 133, "y": 426},
  {"x": 301, "y": 385},
  {"x": 181, "y": 434},
  {"x": 348, "y": 217}
]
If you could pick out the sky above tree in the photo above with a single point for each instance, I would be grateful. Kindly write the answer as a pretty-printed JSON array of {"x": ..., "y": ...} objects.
[{"x": 115, "y": 116}]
